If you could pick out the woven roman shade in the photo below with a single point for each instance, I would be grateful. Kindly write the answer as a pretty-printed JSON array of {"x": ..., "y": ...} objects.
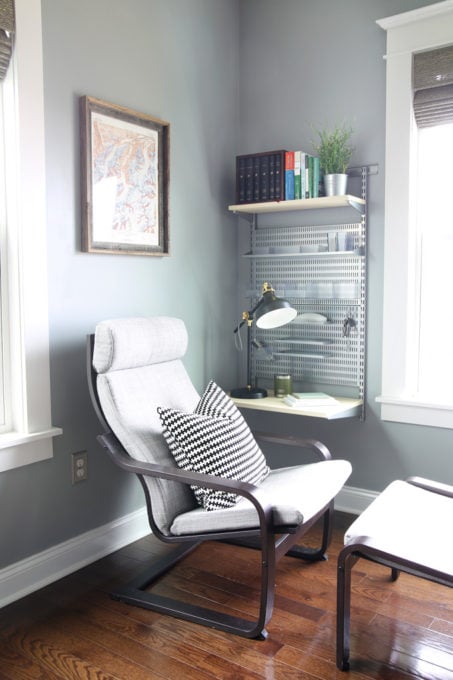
[
  {"x": 433, "y": 87},
  {"x": 7, "y": 27}
]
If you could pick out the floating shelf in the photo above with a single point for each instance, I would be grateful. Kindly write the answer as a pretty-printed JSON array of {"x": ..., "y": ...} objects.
[
  {"x": 345, "y": 408},
  {"x": 357, "y": 252},
  {"x": 301, "y": 204}
]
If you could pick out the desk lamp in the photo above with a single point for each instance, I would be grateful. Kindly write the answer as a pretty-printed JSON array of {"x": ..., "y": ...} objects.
[{"x": 269, "y": 312}]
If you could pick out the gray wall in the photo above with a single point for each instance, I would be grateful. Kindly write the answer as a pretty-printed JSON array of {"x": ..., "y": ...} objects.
[
  {"x": 314, "y": 63},
  {"x": 177, "y": 60},
  {"x": 213, "y": 69}
]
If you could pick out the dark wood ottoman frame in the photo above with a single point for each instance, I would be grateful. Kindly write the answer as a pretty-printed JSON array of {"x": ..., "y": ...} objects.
[{"x": 368, "y": 548}]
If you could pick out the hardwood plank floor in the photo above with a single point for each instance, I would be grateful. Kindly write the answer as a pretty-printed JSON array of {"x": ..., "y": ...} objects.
[{"x": 73, "y": 630}]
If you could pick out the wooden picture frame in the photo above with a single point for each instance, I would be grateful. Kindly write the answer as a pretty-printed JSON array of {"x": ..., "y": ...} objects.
[{"x": 124, "y": 180}]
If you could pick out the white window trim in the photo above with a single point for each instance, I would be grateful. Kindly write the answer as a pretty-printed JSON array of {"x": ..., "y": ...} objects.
[
  {"x": 421, "y": 29},
  {"x": 30, "y": 438}
]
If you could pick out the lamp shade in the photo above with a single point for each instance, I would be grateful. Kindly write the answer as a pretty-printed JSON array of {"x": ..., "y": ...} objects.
[{"x": 272, "y": 311}]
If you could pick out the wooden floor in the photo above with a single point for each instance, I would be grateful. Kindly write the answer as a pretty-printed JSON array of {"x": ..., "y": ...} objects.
[{"x": 72, "y": 629}]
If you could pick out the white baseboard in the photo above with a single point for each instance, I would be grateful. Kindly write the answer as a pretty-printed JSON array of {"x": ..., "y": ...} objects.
[
  {"x": 353, "y": 500},
  {"x": 37, "y": 571}
]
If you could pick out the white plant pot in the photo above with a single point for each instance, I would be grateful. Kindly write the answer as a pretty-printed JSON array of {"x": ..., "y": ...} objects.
[{"x": 335, "y": 185}]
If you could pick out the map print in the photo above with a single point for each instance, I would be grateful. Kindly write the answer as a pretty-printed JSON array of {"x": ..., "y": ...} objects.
[{"x": 125, "y": 182}]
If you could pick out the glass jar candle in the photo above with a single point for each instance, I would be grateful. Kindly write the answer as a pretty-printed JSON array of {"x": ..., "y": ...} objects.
[{"x": 283, "y": 385}]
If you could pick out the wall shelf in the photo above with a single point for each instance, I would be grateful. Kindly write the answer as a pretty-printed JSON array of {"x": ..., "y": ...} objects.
[
  {"x": 321, "y": 269},
  {"x": 301, "y": 204},
  {"x": 344, "y": 408}
]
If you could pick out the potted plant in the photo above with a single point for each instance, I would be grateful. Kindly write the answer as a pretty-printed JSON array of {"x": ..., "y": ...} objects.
[{"x": 335, "y": 150}]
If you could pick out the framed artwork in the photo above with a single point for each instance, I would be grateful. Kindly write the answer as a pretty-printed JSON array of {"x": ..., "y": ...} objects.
[{"x": 125, "y": 177}]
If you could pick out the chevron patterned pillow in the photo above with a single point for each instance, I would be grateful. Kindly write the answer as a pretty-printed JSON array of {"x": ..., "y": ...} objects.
[{"x": 214, "y": 440}]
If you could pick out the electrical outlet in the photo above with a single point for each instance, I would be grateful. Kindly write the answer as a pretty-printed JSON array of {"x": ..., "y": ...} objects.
[{"x": 79, "y": 466}]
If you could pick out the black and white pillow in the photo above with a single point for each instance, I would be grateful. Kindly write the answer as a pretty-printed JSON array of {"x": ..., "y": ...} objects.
[{"x": 214, "y": 440}]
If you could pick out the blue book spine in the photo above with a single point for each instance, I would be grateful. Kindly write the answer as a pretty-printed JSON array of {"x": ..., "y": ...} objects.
[{"x": 289, "y": 175}]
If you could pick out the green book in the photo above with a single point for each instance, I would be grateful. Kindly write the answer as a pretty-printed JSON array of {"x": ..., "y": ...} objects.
[{"x": 316, "y": 174}]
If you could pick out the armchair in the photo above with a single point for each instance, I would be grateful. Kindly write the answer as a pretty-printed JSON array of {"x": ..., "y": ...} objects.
[{"x": 135, "y": 369}]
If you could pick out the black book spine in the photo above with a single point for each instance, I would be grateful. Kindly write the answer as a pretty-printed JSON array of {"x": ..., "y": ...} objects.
[
  {"x": 279, "y": 177},
  {"x": 272, "y": 177},
  {"x": 249, "y": 179},
  {"x": 256, "y": 178},
  {"x": 240, "y": 180},
  {"x": 264, "y": 188}
]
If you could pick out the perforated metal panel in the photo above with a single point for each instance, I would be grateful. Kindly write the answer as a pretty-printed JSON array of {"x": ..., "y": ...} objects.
[{"x": 318, "y": 269}]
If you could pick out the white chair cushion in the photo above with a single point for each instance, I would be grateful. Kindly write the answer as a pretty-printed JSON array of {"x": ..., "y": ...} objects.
[
  {"x": 296, "y": 494},
  {"x": 131, "y": 343},
  {"x": 131, "y": 392},
  {"x": 409, "y": 522}
]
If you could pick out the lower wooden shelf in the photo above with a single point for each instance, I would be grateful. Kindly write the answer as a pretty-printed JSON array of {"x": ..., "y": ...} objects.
[{"x": 344, "y": 408}]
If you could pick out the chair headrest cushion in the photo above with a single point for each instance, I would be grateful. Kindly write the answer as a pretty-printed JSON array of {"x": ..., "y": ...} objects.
[{"x": 134, "y": 342}]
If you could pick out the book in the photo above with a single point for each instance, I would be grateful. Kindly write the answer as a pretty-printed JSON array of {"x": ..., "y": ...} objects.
[
  {"x": 289, "y": 175},
  {"x": 240, "y": 180},
  {"x": 307, "y": 175},
  {"x": 303, "y": 174},
  {"x": 248, "y": 192},
  {"x": 272, "y": 162},
  {"x": 309, "y": 400},
  {"x": 297, "y": 176},
  {"x": 316, "y": 176},
  {"x": 310, "y": 177},
  {"x": 279, "y": 186},
  {"x": 264, "y": 179},
  {"x": 256, "y": 179},
  {"x": 260, "y": 176}
]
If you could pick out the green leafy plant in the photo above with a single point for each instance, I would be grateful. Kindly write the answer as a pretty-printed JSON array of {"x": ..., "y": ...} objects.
[{"x": 334, "y": 149}]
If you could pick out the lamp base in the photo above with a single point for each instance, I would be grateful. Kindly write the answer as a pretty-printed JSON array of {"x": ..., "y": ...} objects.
[{"x": 248, "y": 393}]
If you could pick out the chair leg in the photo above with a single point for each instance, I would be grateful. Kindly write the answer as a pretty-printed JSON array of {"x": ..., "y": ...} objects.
[
  {"x": 395, "y": 573},
  {"x": 320, "y": 553},
  {"x": 135, "y": 594},
  {"x": 346, "y": 560}
]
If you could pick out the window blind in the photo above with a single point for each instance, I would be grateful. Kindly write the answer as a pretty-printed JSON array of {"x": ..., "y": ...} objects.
[
  {"x": 433, "y": 87},
  {"x": 7, "y": 27}
]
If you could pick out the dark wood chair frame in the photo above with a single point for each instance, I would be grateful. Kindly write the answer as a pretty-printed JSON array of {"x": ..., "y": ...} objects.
[
  {"x": 273, "y": 541},
  {"x": 368, "y": 548}
]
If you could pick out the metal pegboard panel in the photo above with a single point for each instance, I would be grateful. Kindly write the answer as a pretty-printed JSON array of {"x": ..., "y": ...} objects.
[
  {"x": 320, "y": 269},
  {"x": 328, "y": 353},
  {"x": 300, "y": 238}
]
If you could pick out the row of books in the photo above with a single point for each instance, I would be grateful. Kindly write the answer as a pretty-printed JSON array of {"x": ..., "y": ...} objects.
[{"x": 276, "y": 176}]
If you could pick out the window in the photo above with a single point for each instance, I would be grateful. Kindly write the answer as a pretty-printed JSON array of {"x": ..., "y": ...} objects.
[
  {"x": 435, "y": 229},
  {"x": 27, "y": 431},
  {"x": 4, "y": 353},
  {"x": 416, "y": 374}
]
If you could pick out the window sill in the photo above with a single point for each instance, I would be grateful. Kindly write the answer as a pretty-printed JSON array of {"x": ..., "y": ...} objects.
[
  {"x": 416, "y": 412},
  {"x": 18, "y": 449}
]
